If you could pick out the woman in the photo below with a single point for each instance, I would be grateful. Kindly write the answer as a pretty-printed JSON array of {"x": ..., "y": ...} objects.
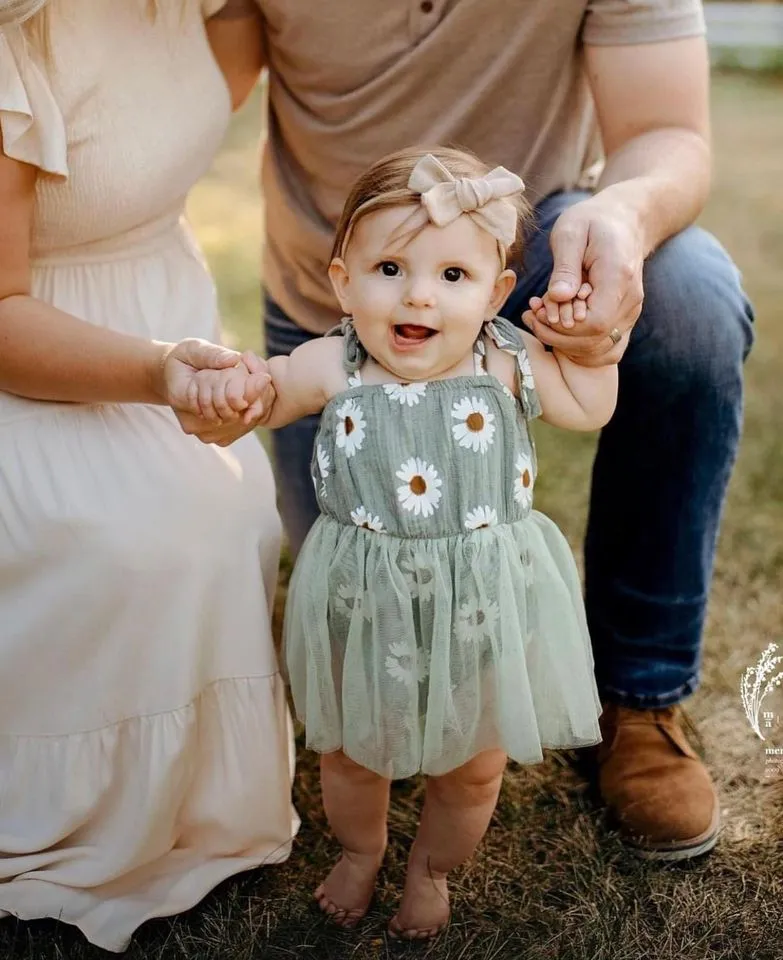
[{"x": 145, "y": 750}]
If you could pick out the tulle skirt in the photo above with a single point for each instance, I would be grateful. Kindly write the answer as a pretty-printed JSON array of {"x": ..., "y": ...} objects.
[{"x": 414, "y": 655}]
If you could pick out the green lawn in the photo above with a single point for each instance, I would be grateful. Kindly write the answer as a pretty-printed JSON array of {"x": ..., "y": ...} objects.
[{"x": 552, "y": 881}]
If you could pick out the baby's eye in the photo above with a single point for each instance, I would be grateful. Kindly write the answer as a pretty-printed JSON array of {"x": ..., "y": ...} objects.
[
  {"x": 453, "y": 274},
  {"x": 389, "y": 268}
]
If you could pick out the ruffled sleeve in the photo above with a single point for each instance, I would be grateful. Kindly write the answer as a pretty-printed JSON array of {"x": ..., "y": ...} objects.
[
  {"x": 30, "y": 120},
  {"x": 507, "y": 337}
]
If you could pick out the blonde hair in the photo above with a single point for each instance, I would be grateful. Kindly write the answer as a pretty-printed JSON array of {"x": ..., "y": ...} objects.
[{"x": 385, "y": 184}]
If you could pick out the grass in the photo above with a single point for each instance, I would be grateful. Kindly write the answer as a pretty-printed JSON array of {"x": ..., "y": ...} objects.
[{"x": 552, "y": 881}]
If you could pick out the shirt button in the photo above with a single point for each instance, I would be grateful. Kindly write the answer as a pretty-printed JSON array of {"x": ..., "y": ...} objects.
[{"x": 426, "y": 6}]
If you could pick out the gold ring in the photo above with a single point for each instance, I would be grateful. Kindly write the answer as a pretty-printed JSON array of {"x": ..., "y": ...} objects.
[{"x": 615, "y": 336}]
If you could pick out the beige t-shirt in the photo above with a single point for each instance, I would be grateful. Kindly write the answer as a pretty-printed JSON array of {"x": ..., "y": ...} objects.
[{"x": 352, "y": 80}]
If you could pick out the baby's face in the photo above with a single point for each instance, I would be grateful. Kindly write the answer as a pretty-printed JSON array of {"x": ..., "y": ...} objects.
[{"x": 419, "y": 305}]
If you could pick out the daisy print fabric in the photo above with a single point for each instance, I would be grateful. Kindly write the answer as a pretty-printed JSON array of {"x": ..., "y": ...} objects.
[
  {"x": 408, "y": 394},
  {"x": 476, "y": 621},
  {"x": 351, "y": 425},
  {"x": 406, "y": 664},
  {"x": 363, "y": 517},
  {"x": 475, "y": 426},
  {"x": 419, "y": 577},
  {"x": 420, "y": 490},
  {"x": 523, "y": 481},
  {"x": 481, "y": 517}
]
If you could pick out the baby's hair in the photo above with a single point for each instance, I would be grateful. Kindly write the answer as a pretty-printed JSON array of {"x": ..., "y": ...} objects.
[{"x": 385, "y": 184}]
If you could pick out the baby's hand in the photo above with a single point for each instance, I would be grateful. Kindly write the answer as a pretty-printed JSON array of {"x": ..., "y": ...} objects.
[
  {"x": 225, "y": 396},
  {"x": 548, "y": 311}
]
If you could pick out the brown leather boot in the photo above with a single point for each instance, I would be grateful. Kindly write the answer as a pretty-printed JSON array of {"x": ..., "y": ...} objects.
[{"x": 655, "y": 785}]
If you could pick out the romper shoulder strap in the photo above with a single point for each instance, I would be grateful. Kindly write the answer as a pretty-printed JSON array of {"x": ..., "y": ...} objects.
[
  {"x": 508, "y": 338},
  {"x": 354, "y": 354}
]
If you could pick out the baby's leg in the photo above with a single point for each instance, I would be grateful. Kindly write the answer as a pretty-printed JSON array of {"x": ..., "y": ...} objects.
[
  {"x": 356, "y": 802},
  {"x": 456, "y": 814}
]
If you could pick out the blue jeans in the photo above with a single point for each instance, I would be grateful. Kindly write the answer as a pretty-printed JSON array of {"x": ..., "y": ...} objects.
[{"x": 661, "y": 470}]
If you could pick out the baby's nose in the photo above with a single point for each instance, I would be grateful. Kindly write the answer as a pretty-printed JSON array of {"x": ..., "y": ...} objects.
[{"x": 420, "y": 292}]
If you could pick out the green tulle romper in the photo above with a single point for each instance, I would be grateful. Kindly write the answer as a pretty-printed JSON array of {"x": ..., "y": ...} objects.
[{"x": 432, "y": 613}]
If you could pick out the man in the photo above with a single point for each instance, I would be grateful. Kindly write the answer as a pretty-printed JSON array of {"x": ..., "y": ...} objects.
[{"x": 530, "y": 85}]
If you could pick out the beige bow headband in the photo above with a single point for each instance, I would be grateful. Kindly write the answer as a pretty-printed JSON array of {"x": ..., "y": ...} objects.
[{"x": 445, "y": 197}]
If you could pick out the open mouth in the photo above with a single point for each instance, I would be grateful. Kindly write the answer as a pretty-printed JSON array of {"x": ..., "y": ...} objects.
[{"x": 412, "y": 333}]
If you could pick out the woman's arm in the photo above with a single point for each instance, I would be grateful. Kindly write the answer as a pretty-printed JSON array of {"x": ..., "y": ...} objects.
[
  {"x": 572, "y": 396},
  {"x": 236, "y": 36},
  {"x": 46, "y": 354}
]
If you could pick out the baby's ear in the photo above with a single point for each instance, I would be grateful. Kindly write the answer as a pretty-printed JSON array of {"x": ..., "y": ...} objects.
[
  {"x": 338, "y": 275},
  {"x": 504, "y": 284}
]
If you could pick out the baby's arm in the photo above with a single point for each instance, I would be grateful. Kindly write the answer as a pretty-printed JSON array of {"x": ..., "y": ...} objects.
[
  {"x": 572, "y": 396},
  {"x": 305, "y": 381},
  {"x": 232, "y": 393}
]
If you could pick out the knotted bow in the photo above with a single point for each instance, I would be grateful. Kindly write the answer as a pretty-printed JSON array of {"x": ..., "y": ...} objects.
[
  {"x": 17, "y": 11},
  {"x": 445, "y": 197}
]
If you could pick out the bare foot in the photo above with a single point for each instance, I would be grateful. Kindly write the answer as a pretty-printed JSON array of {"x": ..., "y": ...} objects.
[
  {"x": 346, "y": 893},
  {"x": 424, "y": 910}
]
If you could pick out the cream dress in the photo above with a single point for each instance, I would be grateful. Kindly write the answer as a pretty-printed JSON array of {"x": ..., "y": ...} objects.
[{"x": 145, "y": 749}]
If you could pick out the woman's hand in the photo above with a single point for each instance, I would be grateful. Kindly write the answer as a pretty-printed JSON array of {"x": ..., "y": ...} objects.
[
  {"x": 180, "y": 363},
  {"x": 179, "y": 388},
  {"x": 222, "y": 434}
]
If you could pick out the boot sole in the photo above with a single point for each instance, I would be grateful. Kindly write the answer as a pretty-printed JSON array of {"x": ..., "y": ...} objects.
[{"x": 683, "y": 849}]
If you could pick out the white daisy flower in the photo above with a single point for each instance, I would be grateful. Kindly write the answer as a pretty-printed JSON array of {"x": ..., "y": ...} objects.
[
  {"x": 354, "y": 380},
  {"x": 405, "y": 393},
  {"x": 476, "y": 428},
  {"x": 508, "y": 392},
  {"x": 406, "y": 664},
  {"x": 523, "y": 481},
  {"x": 363, "y": 517},
  {"x": 527, "y": 372},
  {"x": 481, "y": 517},
  {"x": 350, "y": 427},
  {"x": 475, "y": 622},
  {"x": 418, "y": 575},
  {"x": 420, "y": 492},
  {"x": 348, "y": 600}
]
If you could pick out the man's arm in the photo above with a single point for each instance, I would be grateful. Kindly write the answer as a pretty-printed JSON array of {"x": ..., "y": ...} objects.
[
  {"x": 236, "y": 36},
  {"x": 652, "y": 102}
]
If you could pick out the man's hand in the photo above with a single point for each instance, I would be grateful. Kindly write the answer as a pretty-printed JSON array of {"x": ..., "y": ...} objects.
[{"x": 598, "y": 240}]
